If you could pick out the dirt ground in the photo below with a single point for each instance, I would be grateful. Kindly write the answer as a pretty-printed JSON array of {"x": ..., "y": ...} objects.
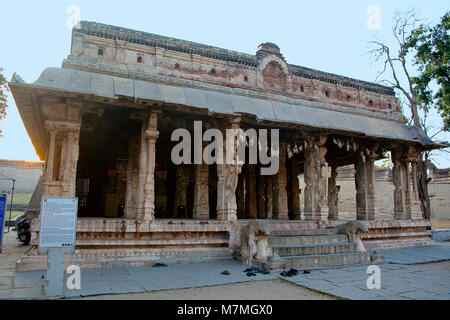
[
  {"x": 253, "y": 290},
  {"x": 440, "y": 223}
]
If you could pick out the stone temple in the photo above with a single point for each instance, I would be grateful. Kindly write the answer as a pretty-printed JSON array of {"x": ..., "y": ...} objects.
[{"x": 103, "y": 124}]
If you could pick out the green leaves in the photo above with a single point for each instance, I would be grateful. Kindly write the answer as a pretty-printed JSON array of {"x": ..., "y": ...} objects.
[{"x": 432, "y": 54}]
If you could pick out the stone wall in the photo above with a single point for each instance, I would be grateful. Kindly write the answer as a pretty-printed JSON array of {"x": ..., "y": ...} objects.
[{"x": 26, "y": 173}]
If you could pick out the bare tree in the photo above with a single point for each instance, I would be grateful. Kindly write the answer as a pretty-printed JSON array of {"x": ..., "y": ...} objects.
[{"x": 395, "y": 62}]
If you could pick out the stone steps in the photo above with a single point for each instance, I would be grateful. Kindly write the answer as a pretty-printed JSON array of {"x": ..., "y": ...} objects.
[
  {"x": 313, "y": 239},
  {"x": 312, "y": 248},
  {"x": 327, "y": 260},
  {"x": 303, "y": 232}
]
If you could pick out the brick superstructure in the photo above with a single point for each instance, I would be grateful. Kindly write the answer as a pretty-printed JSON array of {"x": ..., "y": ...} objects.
[{"x": 103, "y": 48}]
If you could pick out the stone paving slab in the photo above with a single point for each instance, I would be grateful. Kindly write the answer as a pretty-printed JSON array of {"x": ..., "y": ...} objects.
[
  {"x": 399, "y": 279},
  {"x": 397, "y": 282},
  {"x": 440, "y": 252}
]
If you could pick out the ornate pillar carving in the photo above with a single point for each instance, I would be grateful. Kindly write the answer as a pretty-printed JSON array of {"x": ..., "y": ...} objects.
[
  {"x": 201, "y": 192},
  {"x": 227, "y": 180},
  {"x": 251, "y": 199},
  {"x": 365, "y": 185},
  {"x": 146, "y": 207},
  {"x": 406, "y": 197},
  {"x": 50, "y": 156},
  {"x": 269, "y": 196},
  {"x": 241, "y": 195},
  {"x": 181, "y": 188},
  {"x": 132, "y": 177},
  {"x": 295, "y": 190},
  {"x": 64, "y": 161},
  {"x": 261, "y": 190},
  {"x": 280, "y": 198},
  {"x": 316, "y": 178},
  {"x": 333, "y": 195}
]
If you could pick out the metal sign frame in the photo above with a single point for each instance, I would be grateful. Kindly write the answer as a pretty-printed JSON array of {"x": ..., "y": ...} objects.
[{"x": 3, "y": 202}]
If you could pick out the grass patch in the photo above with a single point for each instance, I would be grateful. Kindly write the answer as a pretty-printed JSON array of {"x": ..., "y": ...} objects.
[{"x": 20, "y": 199}]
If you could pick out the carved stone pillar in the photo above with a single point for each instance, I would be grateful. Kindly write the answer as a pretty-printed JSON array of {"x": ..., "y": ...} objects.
[
  {"x": 261, "y": 193},
  {"x": 365, "y": 186},
  {"x": 181, "y": 188},
  {"x": 295, "y": 191},
  {"x": 201, "y": 192},
  {"x": 227, "y": 180},
  {"x": 333, "y": 195},
  {"x": 280, "y": 198},
  {"x": 251, "y": 200},
  {"x": 50, "y": 156},
  {"x": 147, "y": 174},
  {"x": 415, "y": 205},
  {"x": 316, "y": 179},
  {"x": 62, "y": 158},
  {"x": 406, "y": 197},
  {"x": 241, "y": 196},
  {"x": 400, "y": 180},
  {"x": 269, "y": 196},
  {"x": 132, "y": 177}
]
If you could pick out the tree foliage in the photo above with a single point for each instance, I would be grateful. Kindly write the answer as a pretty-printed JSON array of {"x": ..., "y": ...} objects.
[
  {"x": 3, "y": 98},
  {"x": 432, "y": 53}
]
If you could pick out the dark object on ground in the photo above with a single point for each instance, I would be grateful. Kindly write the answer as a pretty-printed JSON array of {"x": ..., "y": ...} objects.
[
  {"x": 251, "y": 274},
  {"x": 23, "y": 231},
  {"x": 256, "y": 270},
  {"x": 158, "y": 265},
  {"x": 226, "y": 272},
  {"x": 306, "y": 271},
  {"x": 292, "y": 272}
]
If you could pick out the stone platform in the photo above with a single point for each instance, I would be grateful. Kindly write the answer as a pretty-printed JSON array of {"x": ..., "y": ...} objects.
[{"x": 111, "y": 242}]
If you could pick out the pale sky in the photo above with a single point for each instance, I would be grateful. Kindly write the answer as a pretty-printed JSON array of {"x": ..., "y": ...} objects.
[{"x": 329, "y": 35}]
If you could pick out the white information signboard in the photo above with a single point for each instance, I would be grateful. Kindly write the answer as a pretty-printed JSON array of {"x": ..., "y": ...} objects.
[{"x": 58, "y": 223}]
